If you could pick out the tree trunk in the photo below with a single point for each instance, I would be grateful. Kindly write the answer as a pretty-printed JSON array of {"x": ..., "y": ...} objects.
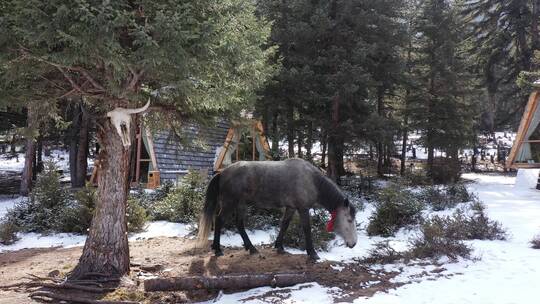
[
  {"x": 106, "y": 249},
  {"x": 30, "y": 156},
  {"x": 81, "y": 163},
  {"x": 246, "y": 281},
  {"x": 13, "y": 144},
  {"x": 39, "y": 158},
  {"x": 300, "y": 142},
  {"x": 290, "y": 128},
  {"x": 334, "y": 153},
  {"x": 430, "y": 160},
  {"x": 275, "y": 136},
  {"x": 324, "y": 144},
  {"x": 380, "y": 152},
  {"x": 74, "y": 143},
  {"x": 404, "y": 145},
  {"x": 309, "y": 141}
]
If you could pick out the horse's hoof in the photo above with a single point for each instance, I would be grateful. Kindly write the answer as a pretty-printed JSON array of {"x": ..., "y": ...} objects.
[
  {"x": 253, "y": 250},
  {"x": 219, "y": 253},
  {"x": 280, "y": 250}
]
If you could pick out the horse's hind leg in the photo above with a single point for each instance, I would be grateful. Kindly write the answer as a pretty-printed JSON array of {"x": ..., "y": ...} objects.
[
  {"x": 285, "y": 221},
  {"x": 217, "y": 234},
  {"x": 240, "y": 214},
  {"x": 306, "y": 225}
]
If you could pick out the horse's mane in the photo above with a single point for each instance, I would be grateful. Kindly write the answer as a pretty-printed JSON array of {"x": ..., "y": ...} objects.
[{"x": 330, "y": 196}]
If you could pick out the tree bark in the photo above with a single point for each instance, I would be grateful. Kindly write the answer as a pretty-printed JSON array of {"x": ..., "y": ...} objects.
[
  {"x": 290, "y": 128},
  {"x": 39, "y": 155},
  {"x": 81, "y": 163},
  {"x": 309, "y": 141},
  {"x": 74, "y": 143},
  {"x": 30, "y": 156},
  {"x": 380, "y": 152},
  {"x": 106, "y": 249},
  {"x": 404, "y": 145},
  {"x": 234, "y": 282},
  {"x": 324, "y": 144},
  {"x": 275, "y": 136},
  {"x": 335, "y": 145}
]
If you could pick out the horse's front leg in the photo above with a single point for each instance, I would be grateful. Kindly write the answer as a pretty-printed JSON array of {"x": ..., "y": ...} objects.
[
  {"x": 217, "y": 234},
  {"x": 306, "y": 225},
  {"x": 285, "y": 221}
]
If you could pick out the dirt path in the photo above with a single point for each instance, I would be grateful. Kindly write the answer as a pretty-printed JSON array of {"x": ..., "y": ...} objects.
[{"x": 176, "y": 257}]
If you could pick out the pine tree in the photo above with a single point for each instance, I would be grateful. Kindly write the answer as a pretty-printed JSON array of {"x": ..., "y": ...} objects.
[
  {"x": 504, "y": 36},
  {"x": 203, "y": 57},
  {"x": 441, "y": 110}
]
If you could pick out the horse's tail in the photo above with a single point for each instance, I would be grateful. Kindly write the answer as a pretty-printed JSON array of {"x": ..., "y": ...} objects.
[{"x": 209, "y": 210}]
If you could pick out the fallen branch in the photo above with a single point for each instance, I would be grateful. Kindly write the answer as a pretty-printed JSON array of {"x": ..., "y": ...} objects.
[
  {"x": 75, "y": 286},
  {"x": 73, "y": 299},
  {"x": 225, "y": 282}
]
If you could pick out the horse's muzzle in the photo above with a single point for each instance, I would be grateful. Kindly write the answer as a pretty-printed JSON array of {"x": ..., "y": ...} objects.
[{"x": 351, "y": 245}]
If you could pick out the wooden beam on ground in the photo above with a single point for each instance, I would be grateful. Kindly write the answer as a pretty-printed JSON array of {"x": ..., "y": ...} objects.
[{"x": 235, "y": 282}]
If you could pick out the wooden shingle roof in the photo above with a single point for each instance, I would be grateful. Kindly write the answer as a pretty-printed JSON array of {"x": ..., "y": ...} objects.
[{"x": 193, "y": 149}]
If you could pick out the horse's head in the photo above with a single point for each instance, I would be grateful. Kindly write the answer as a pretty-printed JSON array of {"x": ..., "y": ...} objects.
[{"x": 344, "y": 223}]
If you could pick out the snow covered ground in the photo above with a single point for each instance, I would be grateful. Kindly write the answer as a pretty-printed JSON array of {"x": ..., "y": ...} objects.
[
  {"x": 9, "y": 163},
  {"x": 505, "y": 272}
]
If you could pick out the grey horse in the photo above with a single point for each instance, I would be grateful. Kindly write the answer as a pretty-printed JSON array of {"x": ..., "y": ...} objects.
[{"x": 294, "y": 184}]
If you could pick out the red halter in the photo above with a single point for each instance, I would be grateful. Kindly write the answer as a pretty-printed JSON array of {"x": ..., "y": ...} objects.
[{"x": 330, "y": 225}]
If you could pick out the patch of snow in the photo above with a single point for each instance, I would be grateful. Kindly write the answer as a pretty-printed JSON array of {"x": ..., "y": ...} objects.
[
  {"x": 257, "y": 237},
  {"x": 163, "y": 228},
  {"x": 7, "y": 202},
  {"x": 36, "y": 240},
  {"x": 527, "y": 178},
  {"x": 67, "y": 240},
  {"x": 301, "y": 293}
]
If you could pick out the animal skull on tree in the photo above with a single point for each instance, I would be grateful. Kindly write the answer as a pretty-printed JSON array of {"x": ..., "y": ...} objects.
[{"x": 121, "y": 119}]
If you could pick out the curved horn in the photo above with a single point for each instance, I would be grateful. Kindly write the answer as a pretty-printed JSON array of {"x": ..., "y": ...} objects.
[{"x": 139, "y": 110}]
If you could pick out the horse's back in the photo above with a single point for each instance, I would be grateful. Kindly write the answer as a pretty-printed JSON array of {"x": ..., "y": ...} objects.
[{"x": 270, "y": 183}]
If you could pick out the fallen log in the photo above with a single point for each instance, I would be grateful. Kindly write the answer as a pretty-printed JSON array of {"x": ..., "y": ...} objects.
[
  {"x": 245, "y": 281},
  {"x": 47, "y": 295}
]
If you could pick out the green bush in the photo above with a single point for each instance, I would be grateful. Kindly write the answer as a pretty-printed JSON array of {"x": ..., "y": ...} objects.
[
  {"x": 148, "y": 199},
  {"x": 478, "y": 225},
  {"x": 295, "y": 238},
  {"x": 535, "y": 242},
  {"x": 417, "y": 178},
  {"x": 433, "y": 242},
  {"x": 182, "y": 204},
  {"x": 8, "y": 232},
  {"x": 48, "y": 192},
  {"x": 395, "y": 207},
  {"x": 77, "y": 215},
  {"x": 445, "y": 197},
  {"x": 445, "y": 170},
  {"x": 383, "y": 253},
  {"x": 459, "y": 192},
  {"x": 136, "y": 216},
  {"x": 40, "y": 212}
]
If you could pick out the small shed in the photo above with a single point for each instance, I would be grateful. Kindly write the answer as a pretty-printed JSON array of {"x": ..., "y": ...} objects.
[{"x": 167, "y": 156}]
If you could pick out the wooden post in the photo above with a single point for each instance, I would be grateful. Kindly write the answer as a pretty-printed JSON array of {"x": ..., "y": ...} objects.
[{"x": 138, "y": 157}]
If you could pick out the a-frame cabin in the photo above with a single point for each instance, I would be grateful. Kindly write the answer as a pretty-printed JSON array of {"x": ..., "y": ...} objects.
[
  {"x": 166, "y": 156},
  {"x": 525, "y": 153}
]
